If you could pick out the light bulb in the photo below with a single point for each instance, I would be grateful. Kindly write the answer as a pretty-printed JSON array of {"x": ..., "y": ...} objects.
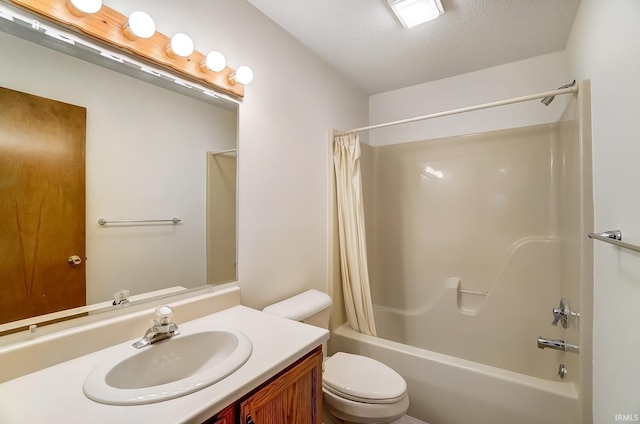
[
  {"x": 214, "y": 61},
  {"x": 180, "y": 45},
  {"x": 139, "y": 25},
  {"x": 83, "y": 7},
  {"x": 243, "y": 75}
]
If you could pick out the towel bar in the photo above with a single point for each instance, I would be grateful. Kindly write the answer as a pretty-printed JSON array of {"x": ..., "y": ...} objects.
[
  {"x": 103, "y": 221},
  {"x": 614, "y": 237}
]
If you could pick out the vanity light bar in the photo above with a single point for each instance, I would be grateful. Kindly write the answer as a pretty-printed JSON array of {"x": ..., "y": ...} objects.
[
  {"x": 111, "y": 27},
  {"x": 17, "y": 18}
]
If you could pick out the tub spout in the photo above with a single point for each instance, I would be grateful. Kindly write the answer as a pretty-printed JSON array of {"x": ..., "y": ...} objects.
[{"x": 557, "y": 345}]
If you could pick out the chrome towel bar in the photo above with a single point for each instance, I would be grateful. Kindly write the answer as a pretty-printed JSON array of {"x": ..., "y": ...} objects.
[
  {"x": 614, "y": 237},
  {"x": 103, "y": 221}
]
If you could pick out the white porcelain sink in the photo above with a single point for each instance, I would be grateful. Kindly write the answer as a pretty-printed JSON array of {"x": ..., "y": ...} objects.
[{"x": 168, "y": 369}]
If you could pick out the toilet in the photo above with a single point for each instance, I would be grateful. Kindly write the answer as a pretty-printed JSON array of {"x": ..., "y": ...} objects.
[{"x": 355, "y": 388}]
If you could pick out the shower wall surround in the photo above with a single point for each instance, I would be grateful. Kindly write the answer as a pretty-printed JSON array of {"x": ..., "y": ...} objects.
[
  {"x": 470, "y": 243},
  {"x": 472, "y": 240}
]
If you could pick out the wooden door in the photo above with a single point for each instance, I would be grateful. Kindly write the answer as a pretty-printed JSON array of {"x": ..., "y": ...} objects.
[
  {"x": 42, "y": 205},
  {"x": 294, "y": 397}
]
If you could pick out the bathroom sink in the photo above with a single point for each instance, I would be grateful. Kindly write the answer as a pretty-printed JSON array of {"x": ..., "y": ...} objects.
[{"x": 168, "y": 369}]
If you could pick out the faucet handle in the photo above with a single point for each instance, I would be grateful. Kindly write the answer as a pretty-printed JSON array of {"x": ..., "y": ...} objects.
[
  {"x": 562, "y": 313},
  {"x": 164, "y": 314},
  {"x": 121, "y": 297}
]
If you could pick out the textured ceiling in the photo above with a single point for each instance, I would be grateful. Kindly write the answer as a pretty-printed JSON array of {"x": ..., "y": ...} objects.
[{"x": 363, "y": 40}]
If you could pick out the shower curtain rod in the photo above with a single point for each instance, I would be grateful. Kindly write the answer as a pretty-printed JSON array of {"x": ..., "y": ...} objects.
[{"x": 573, "y": 89}]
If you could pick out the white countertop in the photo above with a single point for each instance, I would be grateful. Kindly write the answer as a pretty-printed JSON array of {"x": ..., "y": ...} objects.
[{"x": 55, "y": 394}]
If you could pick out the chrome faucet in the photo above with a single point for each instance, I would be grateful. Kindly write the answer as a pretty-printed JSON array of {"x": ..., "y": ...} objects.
[
  {"x": 557, "y": 345},
  {"x": 563, "y": 313},
  {"x": 162, "y": 328}
]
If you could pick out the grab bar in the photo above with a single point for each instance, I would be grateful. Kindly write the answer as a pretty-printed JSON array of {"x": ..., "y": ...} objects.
[
  {"x": 103, "y": 221},
  {"x": 614, "y": 237}
]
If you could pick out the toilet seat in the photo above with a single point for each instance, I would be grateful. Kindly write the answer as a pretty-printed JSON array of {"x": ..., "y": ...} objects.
[
  {"x": 350, "y": 411},
  {"x": 342, "y": 395},
  {"x": 362, "y": 379}
]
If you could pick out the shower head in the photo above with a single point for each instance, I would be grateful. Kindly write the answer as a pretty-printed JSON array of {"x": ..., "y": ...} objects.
[{"x": 545, "y": 101}]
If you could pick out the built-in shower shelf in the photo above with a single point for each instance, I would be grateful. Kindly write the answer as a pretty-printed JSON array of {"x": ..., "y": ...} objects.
[{"x": 468, "y": 301}]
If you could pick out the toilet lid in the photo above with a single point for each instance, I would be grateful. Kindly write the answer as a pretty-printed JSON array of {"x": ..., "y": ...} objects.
[{"x": 361, "y": 378}]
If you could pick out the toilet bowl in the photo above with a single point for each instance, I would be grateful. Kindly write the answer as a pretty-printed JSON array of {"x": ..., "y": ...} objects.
[{"x": 356, "y": 389}]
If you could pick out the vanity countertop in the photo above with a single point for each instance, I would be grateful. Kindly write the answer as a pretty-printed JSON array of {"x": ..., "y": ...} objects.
[{"x": 55, "y": 394}]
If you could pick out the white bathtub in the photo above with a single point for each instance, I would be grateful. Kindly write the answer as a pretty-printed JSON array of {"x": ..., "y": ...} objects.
[{"x": 448, "y": 390}]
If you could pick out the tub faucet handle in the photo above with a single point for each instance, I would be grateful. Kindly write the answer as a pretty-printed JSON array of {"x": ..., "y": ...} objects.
[{"x": 562, "y": 313}]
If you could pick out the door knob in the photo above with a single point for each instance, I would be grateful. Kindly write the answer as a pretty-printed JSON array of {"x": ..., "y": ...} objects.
[{"x": 75, "y": 260}]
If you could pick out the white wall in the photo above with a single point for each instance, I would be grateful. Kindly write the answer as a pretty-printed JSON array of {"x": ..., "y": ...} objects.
[
  {"x": 530, "y": 76},
  {"x": 285, "y": 119},
  {"x": 145, "y": 159},
  {"x": 284, "y": 124},
  {"x": 604, "y": 46}
]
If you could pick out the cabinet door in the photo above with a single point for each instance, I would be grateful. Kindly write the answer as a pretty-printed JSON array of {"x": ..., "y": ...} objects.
[
  {"x": 294, "y": 397},
  {"x": 226, "y": 416}
]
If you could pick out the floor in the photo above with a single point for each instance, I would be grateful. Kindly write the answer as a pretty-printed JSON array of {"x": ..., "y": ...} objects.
[
  {"x": 408, "y": 420},
  {"x": 404, "y": 420}
]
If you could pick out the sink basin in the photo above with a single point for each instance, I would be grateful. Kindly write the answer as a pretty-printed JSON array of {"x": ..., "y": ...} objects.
[{"x": 168, "y": 369}]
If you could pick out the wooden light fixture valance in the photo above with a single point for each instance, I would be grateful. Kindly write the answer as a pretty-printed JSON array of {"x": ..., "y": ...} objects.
[{"x": 107, "y": 26}]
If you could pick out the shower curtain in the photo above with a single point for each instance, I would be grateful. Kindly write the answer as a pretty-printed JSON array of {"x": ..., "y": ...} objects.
[{"x": 353, "y": 246}]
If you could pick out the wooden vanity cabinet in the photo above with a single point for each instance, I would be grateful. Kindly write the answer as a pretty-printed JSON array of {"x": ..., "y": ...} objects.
[
  {"x": 226, "y": 416},
  {"x": 294, "y": 396}
]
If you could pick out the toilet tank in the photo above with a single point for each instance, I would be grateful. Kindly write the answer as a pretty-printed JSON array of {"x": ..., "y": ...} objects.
[{"x": 311, "y": 307}]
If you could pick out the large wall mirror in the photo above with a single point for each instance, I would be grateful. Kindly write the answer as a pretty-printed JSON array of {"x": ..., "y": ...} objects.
[{"x": 150, "y": 153}]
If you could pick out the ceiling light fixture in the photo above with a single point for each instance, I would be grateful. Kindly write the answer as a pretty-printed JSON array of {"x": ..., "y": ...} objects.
[
  {"x": 83, "y": 7},
  {"x": 180, "y": 45},
  {"x": 415, "y": 12},
  {"x": 139, "y": 25}
]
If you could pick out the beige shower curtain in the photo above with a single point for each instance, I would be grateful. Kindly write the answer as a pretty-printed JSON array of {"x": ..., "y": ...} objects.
[{"x": 353, "y": 245}]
